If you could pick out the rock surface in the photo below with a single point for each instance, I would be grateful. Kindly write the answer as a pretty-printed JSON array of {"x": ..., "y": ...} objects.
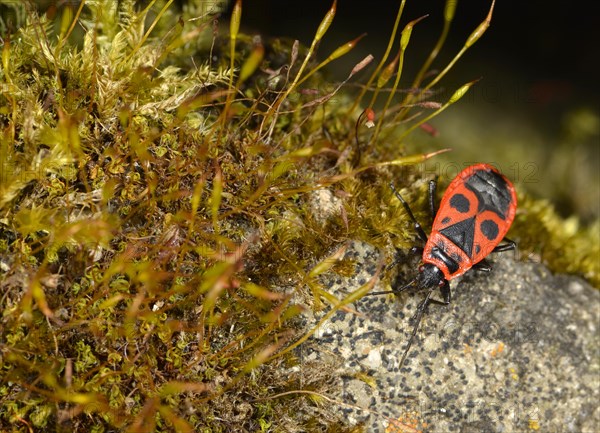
[{"x": 517, "y": 350}]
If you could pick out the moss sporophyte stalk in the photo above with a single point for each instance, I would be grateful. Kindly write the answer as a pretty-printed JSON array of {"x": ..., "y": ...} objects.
[{"x": 172, "y": 193}]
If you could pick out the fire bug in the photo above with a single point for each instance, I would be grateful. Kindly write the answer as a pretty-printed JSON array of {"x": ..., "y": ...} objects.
[{"x": 475, "y": 213}]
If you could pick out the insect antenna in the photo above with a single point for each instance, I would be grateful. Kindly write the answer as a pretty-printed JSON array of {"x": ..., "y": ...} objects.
[
  {"x": 395, "y": 291},
  {"x": 417, "y": 317}
]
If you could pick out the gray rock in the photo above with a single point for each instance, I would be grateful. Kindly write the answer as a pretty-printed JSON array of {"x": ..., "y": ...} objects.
[{"x": 517, "y": 350}]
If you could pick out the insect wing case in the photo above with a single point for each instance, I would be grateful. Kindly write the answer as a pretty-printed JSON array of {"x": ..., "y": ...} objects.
[{"x": 474, "y": 215}]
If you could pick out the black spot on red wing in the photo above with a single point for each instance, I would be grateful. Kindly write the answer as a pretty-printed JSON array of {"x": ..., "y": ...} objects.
[
  {"x": 446, "y": 220},
  {"x": 477, "y": 249},
  {"x": 489, "y": 229},
  {"x": 492, "y": 191},
  {"x": 462, "y": 234},
  {"x": 460, "y": 203}
]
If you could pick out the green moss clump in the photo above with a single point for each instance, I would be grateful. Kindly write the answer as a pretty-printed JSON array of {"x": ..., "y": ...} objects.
[{"x": 565, "y": 245}]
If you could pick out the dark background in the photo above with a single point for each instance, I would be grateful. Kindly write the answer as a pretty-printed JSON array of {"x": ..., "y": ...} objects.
[{"x": 539, "y": 53}]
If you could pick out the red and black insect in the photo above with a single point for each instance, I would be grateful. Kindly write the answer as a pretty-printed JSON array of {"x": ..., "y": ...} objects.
[{"x": 475, "y": 213}]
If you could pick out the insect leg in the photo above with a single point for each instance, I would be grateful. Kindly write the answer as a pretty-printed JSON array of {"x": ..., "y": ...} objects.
[
  {"x": 416, "y": 224},
  {"x": 446, "y": 293},
  {"x": 417, "y": 251},
  {"x": 417, "y": 318},
  {"x": 509, "y": 245},
  {"x": 395, "y": 291},
  {"x": 414, "y": 250},
  {"x": 483, "y": 266}
]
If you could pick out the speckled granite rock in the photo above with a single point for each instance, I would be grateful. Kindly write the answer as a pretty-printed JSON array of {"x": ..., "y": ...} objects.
[{"x": 517, "y": 350}]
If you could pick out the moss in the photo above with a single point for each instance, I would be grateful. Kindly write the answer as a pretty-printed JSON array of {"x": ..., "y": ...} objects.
[
  {"x": 164, "y": 221},
  {"x": 565, "y": 245}
]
